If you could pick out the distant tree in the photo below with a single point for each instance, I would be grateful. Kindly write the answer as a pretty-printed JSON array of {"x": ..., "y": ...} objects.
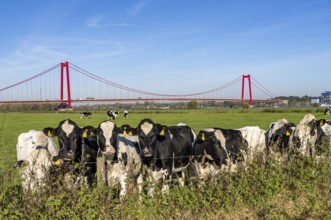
[
  {"x": 245, "y": 105},
  {"x": 192, "y": 104}
]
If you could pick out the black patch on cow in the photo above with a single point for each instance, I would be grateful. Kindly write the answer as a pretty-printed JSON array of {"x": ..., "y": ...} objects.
[{"x": 125, "y": 158}]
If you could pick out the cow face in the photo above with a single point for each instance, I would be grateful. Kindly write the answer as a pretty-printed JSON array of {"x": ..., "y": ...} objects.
[
  {"x": 147, "y": 133},
  {"x": 69, "y": 138},
  {"x": 279, "y": 135},
  {"x": 107, "y": 134},
  {"x": 208, "y": 147}
]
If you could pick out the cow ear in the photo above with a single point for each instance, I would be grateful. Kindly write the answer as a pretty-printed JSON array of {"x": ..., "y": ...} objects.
[
  {"x": 84, "y": 135},
  {"x": 49, "y": 133},
  {"x": 321, "y": 122},
  {"x": 203, "y": 138},
  {"x": 162, "y": 132}
]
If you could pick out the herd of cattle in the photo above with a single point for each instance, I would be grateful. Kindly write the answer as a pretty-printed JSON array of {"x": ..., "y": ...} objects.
[{"x": 153, "y": 153}]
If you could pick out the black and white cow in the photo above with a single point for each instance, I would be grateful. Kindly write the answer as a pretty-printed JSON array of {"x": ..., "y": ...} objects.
[
  {"x": 125, "y": 114},
  {"x": 121, "y": 155},
  {"x": 278, "y": 137},
  {"x": 35, "y": 158},
  {"x": 166, "y": 150},
  {"x": 217, "y": 148},
  {"x": 323, "y": 143},
  {"x": 309, "y": 136},
  {"x": 112, "y": 115},
  {"x": 327, "y": 111},
  {"x": 85, "y": 115},
  {"x": 77, "y": 146}
]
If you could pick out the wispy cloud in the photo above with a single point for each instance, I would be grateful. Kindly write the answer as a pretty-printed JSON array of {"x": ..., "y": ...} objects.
[
  {"x": 136, "y": 9},
  {"x": 99, "y": 21}
]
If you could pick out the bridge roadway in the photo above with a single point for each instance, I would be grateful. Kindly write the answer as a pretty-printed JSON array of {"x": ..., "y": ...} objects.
[{"x": 17, "y": 102}]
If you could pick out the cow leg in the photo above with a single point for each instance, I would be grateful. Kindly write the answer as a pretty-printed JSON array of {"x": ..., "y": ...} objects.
[
  {"x": 140, "y": 182},
  {"x": 181, "y": 179},
  {"x": 123, "y": 180}
]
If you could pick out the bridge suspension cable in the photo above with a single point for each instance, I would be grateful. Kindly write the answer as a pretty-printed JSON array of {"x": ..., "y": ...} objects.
[{"x": 93, "y": 76}]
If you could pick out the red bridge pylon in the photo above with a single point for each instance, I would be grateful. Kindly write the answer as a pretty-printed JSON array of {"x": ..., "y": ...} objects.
[
  {"x": 249, "y": 87},
  {"x": 65, "y": 65}
]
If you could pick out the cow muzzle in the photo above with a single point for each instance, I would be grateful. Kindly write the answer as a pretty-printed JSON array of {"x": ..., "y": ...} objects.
[
  {"x": 147, "y": 152},
  {"x": 109, "y": 152}
]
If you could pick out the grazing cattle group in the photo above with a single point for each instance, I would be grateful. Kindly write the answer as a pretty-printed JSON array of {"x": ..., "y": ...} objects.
[{"x": 153, "y": 153}]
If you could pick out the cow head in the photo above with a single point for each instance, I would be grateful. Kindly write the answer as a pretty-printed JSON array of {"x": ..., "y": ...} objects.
[
  {"x": 69, "y": 138},
  {"x": 148, "y": 133},
  {"x": 107, "y": 135},
  {"x": 208, "y": 147},
  {"x": 279, "y": 135}
]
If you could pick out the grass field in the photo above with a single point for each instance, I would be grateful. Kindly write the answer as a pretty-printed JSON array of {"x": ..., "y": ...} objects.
[{"x": 299, "y": 191}]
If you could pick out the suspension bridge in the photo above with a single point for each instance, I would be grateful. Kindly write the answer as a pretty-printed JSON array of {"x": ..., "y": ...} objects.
[{"x": 68, "y": 84}]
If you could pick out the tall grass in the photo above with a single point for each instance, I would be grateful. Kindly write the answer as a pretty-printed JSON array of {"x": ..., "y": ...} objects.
[{"x": 298, "y": 189}]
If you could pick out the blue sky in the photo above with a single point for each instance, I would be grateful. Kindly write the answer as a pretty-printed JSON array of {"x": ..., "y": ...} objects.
[{"x": 172, "y": 46}]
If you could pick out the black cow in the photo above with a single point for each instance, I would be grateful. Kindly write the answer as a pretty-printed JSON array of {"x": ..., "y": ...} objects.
[
  {"x": 166, "y": 150},
  {"x": 85, "y": 115},
  {"x": 327, "y": 111},
  {"x": 77, "y": 145},
  {"x": 209, "y": 154},
  {"x": 112, "y": 115},
  {"x": 89, "y": 154}
]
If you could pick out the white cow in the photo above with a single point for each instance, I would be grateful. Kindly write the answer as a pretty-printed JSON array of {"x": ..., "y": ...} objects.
[{"x": 34, "y": 157}]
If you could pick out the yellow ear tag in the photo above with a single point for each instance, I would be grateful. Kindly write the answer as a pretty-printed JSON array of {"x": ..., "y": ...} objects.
[
  {"x": 125, "y": 134},
  {"x": 203, "y": 138},
  {"x": 91, "y": 134},
  {"x": 130, "y": 133},
  {"x": 287, "y": 133},
  {"x": 162, "y": 132},
  {"x": 57, "y": 163},
  {"x": 321, "y": 123},
  {"x": 49, "y": 134},
  {"x": 84, "y": 134}
]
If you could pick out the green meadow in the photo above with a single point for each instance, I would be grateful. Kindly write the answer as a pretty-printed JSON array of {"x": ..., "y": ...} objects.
[{"x": 299, "y": 189}]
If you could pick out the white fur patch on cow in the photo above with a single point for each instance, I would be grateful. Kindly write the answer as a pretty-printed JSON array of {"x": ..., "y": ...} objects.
[
  {"x": 33, "y": 174},
  {"x": 219, "y": 135},
  {"x": 307, "y": 118},
  {"x": 327, "y": 128},
  {"x": 278, "y": 124},
  {"x": 209, "y": 129},
  {"x": 107, "y": 128},
  {"x": 146, "y": 127},
  {"x": 67, "y": 127},
  {"x": 255, "y": 138}
]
